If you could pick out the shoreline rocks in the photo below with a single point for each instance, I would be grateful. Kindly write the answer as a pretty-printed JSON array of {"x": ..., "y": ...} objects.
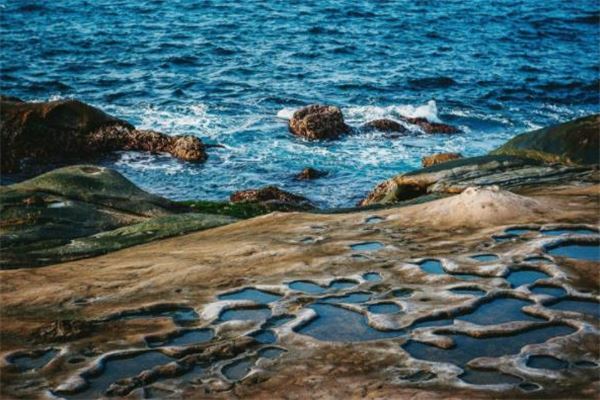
[
  {"x": 384, "y": 125},
  {"x": 61, "y": 130},
  {"x": 317, "y": 122},
  {"x": 272, "y": 197}
]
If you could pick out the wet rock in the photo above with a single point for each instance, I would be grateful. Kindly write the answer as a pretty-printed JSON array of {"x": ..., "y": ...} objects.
[
  {"x": 310, "y": 173},
  {"x": 272, "y": 196},
  {"x": 318, "y": 121},
  {"x": 455, "y": 176},
  {"x": 85, "y": 210},
  {"x": 575, "y": 142},
  {"x": 65, "y": 130},
  {"x": 431, "y": 127},
  {"x": 384, "y": 125},
  {"x": 439, "y": 158}
]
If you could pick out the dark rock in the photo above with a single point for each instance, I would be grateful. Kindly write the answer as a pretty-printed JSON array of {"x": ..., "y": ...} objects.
[
  {"x": 10, "y": 98},
  {"x": 310, "y": 173},
  {"x": 70, "y": 130},
  {"x": 80, "y": 211},
  {"x": 439, "y": 158},
  {"x": 318, "y": 122},
  {"x": 272, "y": 196},
  {"x": 573, "y": 142},
  {"x": 431, "y": 127},
  {"x": 384, "y": 125}
]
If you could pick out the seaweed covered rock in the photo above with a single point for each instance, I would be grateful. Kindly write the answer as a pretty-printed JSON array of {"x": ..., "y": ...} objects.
[
  {"x": 439, "y": 158},
  {"x": 80, "y": 211},
  {"x": 318, "y": 121},
  {"x": 66, "y": 130},
  {"x": 573, "y": 142},
  {"x": 273, "y": 198}
]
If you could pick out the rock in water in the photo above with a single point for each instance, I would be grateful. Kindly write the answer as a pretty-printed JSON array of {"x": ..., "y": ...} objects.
[
  {"x": 66, "y": 130},
  {"x": 317, "y": 121},
  {"x": 310, "y": 173},
  {"x": 439, "y": 159},
  {"x": 384, "y": 125},
  {"x": 431, "y": 127},
  {"x": 576, "y": 142},
  {"x": 272, "y": 196}
]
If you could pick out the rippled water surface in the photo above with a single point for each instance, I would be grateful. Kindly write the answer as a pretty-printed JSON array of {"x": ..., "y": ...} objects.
[{"x": 230, "y": 72}]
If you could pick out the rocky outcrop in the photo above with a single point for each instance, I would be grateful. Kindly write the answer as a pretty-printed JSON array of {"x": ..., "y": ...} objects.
[
  {"x": 317, "y": 122},
  {"x": 431, "y": 127},
  {"x": 80, "y": 211},
  {"x": 384, "y": 125},
  {"x": 454, "y": 176},
  {"x": 272, "y": 196},
  {"x": 439, "y": 158},
  {"x": 573, "y": 142},
  {"x": 310, "y": 173},
  {"x": 64, "y": 130}
]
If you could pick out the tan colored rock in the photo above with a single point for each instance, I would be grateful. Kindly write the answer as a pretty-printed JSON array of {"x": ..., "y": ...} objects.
[{"x": 439, "y": 158}]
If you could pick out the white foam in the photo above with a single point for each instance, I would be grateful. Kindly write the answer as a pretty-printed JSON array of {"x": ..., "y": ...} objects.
[
  {"x": 285, "y": 113},
  {"x": 363, "y": 114}
]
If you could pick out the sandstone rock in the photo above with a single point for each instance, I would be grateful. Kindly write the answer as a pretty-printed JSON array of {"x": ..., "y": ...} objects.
[
  {"x": 310, "y": 173},
  {"x": 454, "y": 176},
  {"x": 272, "y": 195},
  {"x": 317, "y": 121},
  {"x": 67, "y": 130},
  {"x": 384, "y": 125},
  {"x": 574, "y": 142},
  {"x": 439, "y": 158},
  {"x": 431, "y": 127}
]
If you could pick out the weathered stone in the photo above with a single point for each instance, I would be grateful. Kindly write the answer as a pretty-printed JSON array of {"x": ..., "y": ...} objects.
[
  {"x": 272, "y": 195},
  {"x": 439, "y": 158},
  {"x": 573, "y": 142},
  {"x": 310, "y": 173},
  {"x": 67, "y": 130},
  {"x": 384, "y": 125},
  {"x": 317, "y": 121}
]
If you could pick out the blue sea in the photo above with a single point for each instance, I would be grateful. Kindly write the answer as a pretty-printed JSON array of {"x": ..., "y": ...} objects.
[{"x": 232, "y": 72}]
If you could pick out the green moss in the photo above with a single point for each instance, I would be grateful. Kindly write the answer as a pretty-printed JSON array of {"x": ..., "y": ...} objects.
[{"x": 237, "y": 210}]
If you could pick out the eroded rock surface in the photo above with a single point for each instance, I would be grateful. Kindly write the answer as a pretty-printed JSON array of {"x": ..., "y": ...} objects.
[
  {"x": 272, "y": 313},
  {"x": 65, "y": 130},
  {"x": 384, "y": 125}
]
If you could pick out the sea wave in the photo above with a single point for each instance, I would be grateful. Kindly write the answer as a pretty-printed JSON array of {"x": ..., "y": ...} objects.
[{"x": 362, "y": 114}]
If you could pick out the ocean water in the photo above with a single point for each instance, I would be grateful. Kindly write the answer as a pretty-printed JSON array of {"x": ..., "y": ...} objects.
[{"x": 232, "y": 72}]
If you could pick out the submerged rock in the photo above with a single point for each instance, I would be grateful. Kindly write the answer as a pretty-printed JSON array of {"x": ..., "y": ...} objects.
[
  {"x": 272, "y": 197},
  {"x": 576, "y": 142},
  {"x": 85, "y": 210},
  {"x": 318, "y": 121},
  {"x": 384, "y": 125},
  {"x": 439, "y": 159},
  {"x": 65, "y": 130},
  {"x": 310, "y": 173}
]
